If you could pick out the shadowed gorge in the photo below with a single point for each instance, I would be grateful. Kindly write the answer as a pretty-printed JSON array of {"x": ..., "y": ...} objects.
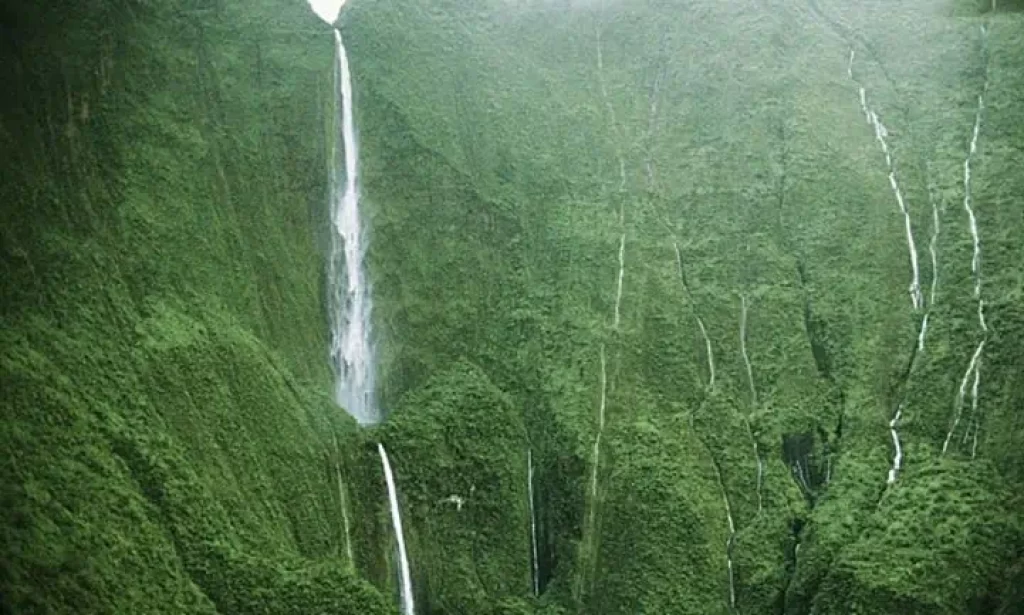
[{"x": 678, "y": 307}]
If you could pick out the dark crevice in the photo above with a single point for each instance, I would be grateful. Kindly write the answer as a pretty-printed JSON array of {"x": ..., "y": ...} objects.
[
  {"x": 814, "y": 328},
  {"x": 807, "y": 469},
  {"x": 791, "y": 551},
  {"x": 817, "y": 475},
  {"x": 898, "y": 390}
]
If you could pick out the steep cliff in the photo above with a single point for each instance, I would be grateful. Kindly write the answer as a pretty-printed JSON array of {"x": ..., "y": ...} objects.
[{"x": 743, "y": 280}]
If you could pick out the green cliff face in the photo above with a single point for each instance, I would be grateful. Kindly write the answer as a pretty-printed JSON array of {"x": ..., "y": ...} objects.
[
  {"x": 669, "y": 248},
  {"x": 169, "y": 445}
]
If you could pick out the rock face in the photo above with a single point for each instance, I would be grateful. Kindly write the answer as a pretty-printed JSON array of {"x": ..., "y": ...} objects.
[{"x": 744, "y": 277}]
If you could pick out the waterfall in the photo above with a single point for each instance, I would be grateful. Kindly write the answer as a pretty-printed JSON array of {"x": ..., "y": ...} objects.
[
  {"x": 622, "y": 270},
  {"x": 897, "y": 459},
  {"x": 405, "y": 588},
  {"x": 881, "y": 135},
  {"x": 730, "y": 541},
  {"x": 700, "y": 322},
  {"x": 343, "y": 502},
  {"x": 974, "y": 366},
  {"x": 916, "y": 296},
  {"x": 533, "y": 522},
  {"x": 743, "y": 349},
  {"x": 933, "y": 250},
  {"x": 350, "y": 302}
]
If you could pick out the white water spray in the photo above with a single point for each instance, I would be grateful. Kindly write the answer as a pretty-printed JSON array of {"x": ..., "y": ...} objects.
[
  {"x": 622, "y": 272},
  {"x": 881, "y": 135},
  {"x": 933, "y": 251},
  {"x": 729, "y": 543},
  {"x": 533, "y": 523},
  {"x": 349, "y": 290},
  {"x": 897, "y": 459},
  {"x": 405, "y": 578},
  {"x": 968, "y": 195},
  {"x": 962, "y": 393},
  {"x": 968, "y": 201},
  {"x": 974, "y": 367},
  {"x": 916, "y": 296}
]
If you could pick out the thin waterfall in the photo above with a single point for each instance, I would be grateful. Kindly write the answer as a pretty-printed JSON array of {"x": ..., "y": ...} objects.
[
  {"x": 974, "y": 366},
  {"x": 350, "y": 302},
  {"x": 533, "y": 522},
  {"x": 881, "y": 135},
  {"x": 897, "y": 458},
  {"x": 753, "y": 401},
  {"x": 916, "y": 295},
  {"x": 743, "y": 349},
  {"x": 343, "y": 502},
  {"x": 933, "y": 250},
  {"x": 730, "y": 541},
  {"x": 622, "y": 270},
  {"x": 405, "y": 586},
  {"x": 700, "y": 322}
]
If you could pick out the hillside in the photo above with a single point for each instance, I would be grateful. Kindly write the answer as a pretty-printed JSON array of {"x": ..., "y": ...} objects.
[{"x": 738, "y": 282}]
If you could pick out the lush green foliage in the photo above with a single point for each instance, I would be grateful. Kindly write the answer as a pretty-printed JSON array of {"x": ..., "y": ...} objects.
[
  {"x": 168, "y": 442},
  {"x": 460, "y": 455},
  {"x": 651, "y": 242}
]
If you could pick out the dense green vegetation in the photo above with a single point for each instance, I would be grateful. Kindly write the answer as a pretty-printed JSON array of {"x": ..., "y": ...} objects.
[
  {"x": 169, "y": 445},
  {"x": 651, "y": 242}
]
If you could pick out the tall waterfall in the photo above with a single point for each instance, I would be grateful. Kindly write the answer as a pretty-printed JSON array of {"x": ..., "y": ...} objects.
[
  {"x": 405, "y": 587},
  {"x": 350, "y": 302}
]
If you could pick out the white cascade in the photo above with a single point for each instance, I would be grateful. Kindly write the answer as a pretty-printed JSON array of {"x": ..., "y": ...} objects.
[
  {"x": 405, "y": 578},
  {"x": 753, "y": 399},
  {"x": 743, "y": 349},
  {"x": 916, "y": 296},
  {"x": 974, "y": 366},
  {"x": 730, "y": 542},
  {"x": 972, "y": 369},
  {"x": 933, "y": 251},
  {"x": 350, "y": 302},
  {"x": 533, "y": 522},
  {"x": 897, "y": 458},
  {"x": 343, "y": 501},
  {"x": 969, "y": 201},
  {"x": 700, "y": 322},
  {"x": 881, "y": 135}
]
